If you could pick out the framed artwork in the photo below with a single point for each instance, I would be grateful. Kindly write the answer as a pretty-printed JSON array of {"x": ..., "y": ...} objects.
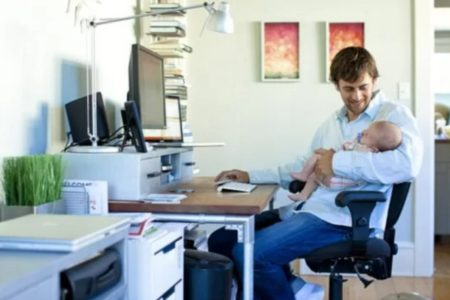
[
  {"x": 339, "y": 36},
  {"x": 280, "y": 51}
]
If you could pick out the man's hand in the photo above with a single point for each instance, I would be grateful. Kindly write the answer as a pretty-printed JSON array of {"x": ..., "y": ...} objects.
[
  {"x": 324, "y": 165},
  {"x": 236, "y": 175}
]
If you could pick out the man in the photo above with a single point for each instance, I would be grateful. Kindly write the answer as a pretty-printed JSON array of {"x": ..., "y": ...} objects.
[{"x": 294, "y": 231}]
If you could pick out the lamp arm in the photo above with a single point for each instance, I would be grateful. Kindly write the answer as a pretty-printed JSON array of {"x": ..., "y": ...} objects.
[{"x": 206, "y": 5}]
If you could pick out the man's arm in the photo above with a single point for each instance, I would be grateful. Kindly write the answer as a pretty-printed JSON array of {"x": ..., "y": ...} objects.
[
  {"x": 279, "y": 175},
  {"x": 387, "y": 167}
]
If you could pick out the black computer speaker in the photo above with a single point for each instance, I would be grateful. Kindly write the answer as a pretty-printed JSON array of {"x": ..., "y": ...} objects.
[{"x": 77, "y": 116}]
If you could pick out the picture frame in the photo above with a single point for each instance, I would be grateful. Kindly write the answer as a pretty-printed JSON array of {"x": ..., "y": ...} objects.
[
  {"x": 280, "y": 51},
  {"x": 340, "y": 35}
]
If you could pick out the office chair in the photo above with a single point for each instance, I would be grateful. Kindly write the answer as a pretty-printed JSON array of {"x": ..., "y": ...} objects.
[{"x": 362, "y": 254}]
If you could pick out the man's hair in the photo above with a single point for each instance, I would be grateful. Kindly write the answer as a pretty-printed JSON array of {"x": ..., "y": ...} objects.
[{"x": 351, "y": 63}]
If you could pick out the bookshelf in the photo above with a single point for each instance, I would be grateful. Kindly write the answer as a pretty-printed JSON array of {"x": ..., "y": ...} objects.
[{"x": 165, "y": 35}]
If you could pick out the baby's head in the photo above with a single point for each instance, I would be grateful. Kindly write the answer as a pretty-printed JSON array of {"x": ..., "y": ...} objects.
[{"x": 382, "y": 136}]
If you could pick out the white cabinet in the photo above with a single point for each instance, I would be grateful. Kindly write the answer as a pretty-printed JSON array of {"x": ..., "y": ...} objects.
[
  {"x": 442, "y": 188},
  {"x": 36, "y": 274},
  {"x": 155, "y": 269}
]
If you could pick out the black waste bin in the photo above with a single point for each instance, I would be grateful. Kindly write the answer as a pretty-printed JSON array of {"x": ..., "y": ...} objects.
[{"x": 207, "y": 276}]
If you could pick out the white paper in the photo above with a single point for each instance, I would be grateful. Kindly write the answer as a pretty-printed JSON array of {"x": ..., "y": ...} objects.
[{"x": 86, "y": 196}]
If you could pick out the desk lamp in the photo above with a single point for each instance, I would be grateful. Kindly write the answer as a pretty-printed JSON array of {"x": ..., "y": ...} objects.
[{"x": 219, "y": 20}]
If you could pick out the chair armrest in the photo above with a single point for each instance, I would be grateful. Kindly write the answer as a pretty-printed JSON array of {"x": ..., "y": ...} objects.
[
  {"x": 361, "y": 205},
  {"x": 345, "y": 198}
]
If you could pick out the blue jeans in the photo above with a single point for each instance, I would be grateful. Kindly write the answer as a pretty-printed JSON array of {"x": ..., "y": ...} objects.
[{"x": 276, "y": 244}]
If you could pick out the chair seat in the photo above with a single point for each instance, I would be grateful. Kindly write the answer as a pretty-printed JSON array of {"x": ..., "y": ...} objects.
[
  {"x": 375, "y": 248},
  {"x": 341, "y": 256}
]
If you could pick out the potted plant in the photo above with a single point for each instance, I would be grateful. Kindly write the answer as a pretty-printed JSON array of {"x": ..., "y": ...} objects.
[{"x": 32, "y": 184}]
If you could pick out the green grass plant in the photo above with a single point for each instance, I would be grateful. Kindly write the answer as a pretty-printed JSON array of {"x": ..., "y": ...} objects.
[{"x": 32, "y": 180}]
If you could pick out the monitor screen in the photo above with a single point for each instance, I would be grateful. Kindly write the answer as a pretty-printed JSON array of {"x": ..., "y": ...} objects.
[
  {"x": 173, "y": 132},
  {"x": 146, "y": 82}
]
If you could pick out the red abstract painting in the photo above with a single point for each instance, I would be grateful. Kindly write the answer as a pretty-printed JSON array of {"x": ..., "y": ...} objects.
[
  {"x": 281, "y": 51},
  {"x": 342, "y": 35}
]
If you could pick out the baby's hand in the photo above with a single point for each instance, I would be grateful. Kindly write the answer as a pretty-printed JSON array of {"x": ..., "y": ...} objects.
[{"x": 326, "y": 181}]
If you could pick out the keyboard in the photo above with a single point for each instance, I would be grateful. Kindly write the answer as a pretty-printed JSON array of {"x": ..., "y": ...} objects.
[{"x": 234, "y": 186}]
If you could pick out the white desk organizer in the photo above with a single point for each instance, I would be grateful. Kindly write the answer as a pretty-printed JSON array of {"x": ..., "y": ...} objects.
[{"x": 130, "y": 176}]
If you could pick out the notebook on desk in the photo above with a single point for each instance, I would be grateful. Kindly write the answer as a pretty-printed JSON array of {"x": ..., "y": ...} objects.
[{"x": 60, "y": 233}]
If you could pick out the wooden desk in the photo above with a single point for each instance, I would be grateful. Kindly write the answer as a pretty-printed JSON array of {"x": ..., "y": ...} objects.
[
  {"x": 205, "y": 199},
  {"x": 206, "y": 205}
]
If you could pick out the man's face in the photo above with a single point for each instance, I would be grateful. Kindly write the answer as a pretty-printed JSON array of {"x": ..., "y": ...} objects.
[{"x": 356, "y": 95}]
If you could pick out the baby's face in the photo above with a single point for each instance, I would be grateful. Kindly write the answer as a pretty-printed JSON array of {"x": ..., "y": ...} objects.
[{"x": 371, "y": 137}]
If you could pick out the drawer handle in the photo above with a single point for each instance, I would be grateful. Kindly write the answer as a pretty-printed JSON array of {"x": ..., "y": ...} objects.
[
  {"x": 189, "y": 163},
  {"x": 169, "y": 247},
  {"x": 153, "y": 174},
  {"x": 169, "y": 292}
]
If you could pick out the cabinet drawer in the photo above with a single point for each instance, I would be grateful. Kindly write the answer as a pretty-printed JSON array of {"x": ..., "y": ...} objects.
[
  {"x": 150, "y": 176},
  {"x": 167, "y": 265},
  {"x": 187, "y": 165},
  {"x": 155, "y": 265},
  {"x": 174, "y": 293}
]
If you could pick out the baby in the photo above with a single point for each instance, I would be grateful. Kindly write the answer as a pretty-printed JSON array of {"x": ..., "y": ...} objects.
[{"x": 379, "y": 136}]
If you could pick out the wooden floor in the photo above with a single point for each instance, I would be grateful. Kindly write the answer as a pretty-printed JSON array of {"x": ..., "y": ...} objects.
[{"x": 436, "y": 287}]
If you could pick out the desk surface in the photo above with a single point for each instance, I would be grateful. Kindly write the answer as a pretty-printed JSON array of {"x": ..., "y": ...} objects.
[{"x": 205, "y": 199}]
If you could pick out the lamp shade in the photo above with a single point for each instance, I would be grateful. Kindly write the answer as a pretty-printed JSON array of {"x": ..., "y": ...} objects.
[{"x": 220, "y": 19}]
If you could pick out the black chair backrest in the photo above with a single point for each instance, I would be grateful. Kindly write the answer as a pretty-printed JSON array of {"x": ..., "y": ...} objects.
[{"x": 398, "y": 198}]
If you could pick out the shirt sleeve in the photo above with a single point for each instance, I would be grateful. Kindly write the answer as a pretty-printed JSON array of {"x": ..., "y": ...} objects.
[{"x": 399, "y": 165}]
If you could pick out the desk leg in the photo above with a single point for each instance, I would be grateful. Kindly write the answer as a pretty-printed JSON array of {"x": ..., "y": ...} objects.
[{"x": 248, "y": 240}]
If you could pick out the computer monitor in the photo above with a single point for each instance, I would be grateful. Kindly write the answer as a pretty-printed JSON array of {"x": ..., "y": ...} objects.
[
  {"x": 146, "y": 83},
  {"x": 173, "y": 133},
  {"x": 132, "y": 126},
  {"x": 77, "y": 116}
]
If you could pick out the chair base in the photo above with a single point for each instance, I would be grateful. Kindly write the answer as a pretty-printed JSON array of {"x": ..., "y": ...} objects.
[{"x": 336, "y": 287}]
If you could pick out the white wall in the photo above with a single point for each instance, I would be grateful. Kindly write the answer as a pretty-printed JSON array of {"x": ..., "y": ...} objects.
[{"x": 42, "y": 57}]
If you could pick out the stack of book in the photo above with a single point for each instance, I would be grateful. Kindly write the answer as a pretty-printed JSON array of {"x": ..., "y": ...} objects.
[
  {"x": 167, "y": 28},
  {"x": 175, "y": 85},
  {"x": 171, "y": 48},
  {"x": 172, "y": 69},
  {"x": 177, "y": 90},
  {"x": 163, "y": 7}
]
